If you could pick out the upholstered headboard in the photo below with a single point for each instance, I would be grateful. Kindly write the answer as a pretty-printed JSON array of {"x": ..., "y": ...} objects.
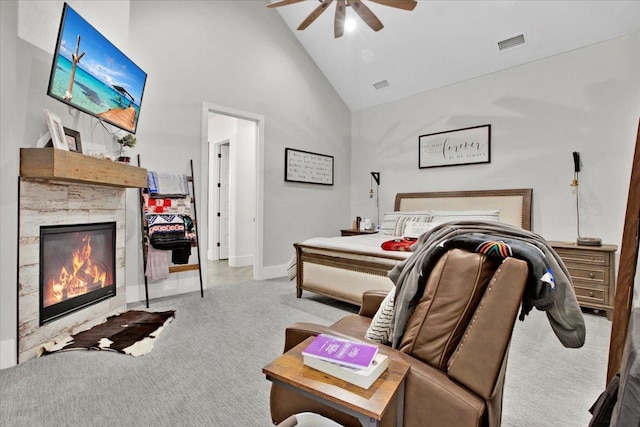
[{"x": 514, "y": 204}]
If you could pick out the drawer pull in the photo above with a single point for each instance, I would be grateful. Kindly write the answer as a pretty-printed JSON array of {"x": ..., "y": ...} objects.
[
  {"x": 591, "y": 294},
  {"x": 591, "y": 275}
]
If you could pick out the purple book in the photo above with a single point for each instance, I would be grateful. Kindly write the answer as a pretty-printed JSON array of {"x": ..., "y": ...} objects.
[{"x": 349, "y": 353}]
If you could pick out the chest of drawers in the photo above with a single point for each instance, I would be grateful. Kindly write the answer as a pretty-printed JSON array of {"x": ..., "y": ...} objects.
[{"x": 592, "y": 271}]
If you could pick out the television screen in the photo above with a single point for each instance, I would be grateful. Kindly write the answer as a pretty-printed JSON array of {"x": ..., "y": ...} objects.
[{"x": 91, "y": 74}]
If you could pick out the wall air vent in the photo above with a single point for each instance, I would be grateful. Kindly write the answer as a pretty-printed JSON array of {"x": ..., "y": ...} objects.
[
  {"x": 512, "y": 42},
  {"x": 382, "y": 84}
]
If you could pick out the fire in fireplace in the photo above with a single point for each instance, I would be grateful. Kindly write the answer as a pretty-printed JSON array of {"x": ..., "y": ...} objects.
[{"x": 77, "y": 267}]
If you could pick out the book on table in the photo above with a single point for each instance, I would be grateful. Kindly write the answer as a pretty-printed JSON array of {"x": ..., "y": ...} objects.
[
  {"x": 361, "y": 377},
  {"x": 355, "y": 354}
]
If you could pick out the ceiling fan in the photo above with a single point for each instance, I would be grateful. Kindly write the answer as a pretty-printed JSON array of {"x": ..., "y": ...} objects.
[{"x": 358, "y": 6}]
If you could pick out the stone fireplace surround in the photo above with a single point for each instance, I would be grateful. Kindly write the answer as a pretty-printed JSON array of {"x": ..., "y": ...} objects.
[{"x": 67, "y": 195}]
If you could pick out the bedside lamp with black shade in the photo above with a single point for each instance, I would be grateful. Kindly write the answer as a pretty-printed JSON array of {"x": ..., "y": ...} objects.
[{"x": 581, "y": 241}]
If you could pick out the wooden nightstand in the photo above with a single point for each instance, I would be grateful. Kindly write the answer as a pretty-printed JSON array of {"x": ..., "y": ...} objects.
[
  {"x": 593, "y": 273},
  {"x": 352, "y": 232}
]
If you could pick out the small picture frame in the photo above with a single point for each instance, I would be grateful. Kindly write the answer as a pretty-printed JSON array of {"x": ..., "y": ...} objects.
[
  {"x": 56, "y": 129},
  {"x": 73, "y": 140}
]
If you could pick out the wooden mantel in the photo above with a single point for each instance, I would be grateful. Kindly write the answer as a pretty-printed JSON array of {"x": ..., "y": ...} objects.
[{"x": 60, "y": 165}]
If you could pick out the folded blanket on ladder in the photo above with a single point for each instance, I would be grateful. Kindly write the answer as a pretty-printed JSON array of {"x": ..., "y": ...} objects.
[{"x": 162, "y": 184}]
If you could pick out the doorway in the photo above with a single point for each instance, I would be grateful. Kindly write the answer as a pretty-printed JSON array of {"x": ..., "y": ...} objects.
[{"x": 233, "y": 158}]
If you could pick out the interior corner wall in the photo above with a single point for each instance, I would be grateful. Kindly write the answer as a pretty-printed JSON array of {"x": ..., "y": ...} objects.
[
  {"x": 240, "y": 55},
  {"x": 9, "y": 170},
  {"x": 587, "y": 100}
]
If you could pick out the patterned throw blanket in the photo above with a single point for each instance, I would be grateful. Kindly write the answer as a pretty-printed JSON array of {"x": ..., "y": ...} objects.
[{"x": 179, "y": 206}]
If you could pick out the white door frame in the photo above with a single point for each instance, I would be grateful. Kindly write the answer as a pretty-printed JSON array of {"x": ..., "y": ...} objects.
[
  {"x": 215, "y": 232},
  {"x": 207, "y": 108}
]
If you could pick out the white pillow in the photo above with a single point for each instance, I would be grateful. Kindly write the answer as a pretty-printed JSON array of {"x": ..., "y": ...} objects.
[
  {"x": 393, "y": 223},
  {"x": 472, "y": 215},
  {"x": 388, "y": 225},
  {"x": 403, "y": 220},
  {"x": 415, "y": 229},
  {"x": 380, "y": 327}
]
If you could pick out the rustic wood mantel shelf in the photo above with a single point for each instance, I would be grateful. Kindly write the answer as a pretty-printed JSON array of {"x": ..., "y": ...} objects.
[{"x": 60, "y": 165}]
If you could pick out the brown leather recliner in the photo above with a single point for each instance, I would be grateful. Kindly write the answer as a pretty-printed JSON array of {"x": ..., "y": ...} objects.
[{"x": 456, "y": 341}]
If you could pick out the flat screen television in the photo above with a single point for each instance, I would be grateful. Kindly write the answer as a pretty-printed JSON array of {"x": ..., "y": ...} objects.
[{"x": 91, "y": 74}]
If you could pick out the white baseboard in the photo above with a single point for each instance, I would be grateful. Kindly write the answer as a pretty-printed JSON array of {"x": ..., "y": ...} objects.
[
  {"x": 7, "y": 354},
  {"x": 181, "y": 283},
  {"x": 240, "y": 261},
  {"x": 272, "y": 272}
]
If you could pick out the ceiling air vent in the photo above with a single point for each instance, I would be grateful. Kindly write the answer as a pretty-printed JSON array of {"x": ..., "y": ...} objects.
[
  {"x": 511, "y": 42},
  {"x": 381, "y": 84}
]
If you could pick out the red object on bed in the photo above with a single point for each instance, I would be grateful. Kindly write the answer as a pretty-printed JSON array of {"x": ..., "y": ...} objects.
[{"x": 400, "y": 245}]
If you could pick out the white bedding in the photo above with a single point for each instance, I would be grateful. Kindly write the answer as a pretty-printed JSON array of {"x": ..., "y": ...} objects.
[{"x": 366, "y": 243}]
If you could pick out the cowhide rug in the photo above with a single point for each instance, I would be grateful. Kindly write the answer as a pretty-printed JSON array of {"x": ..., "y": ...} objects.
[{"x": 133, "y": 332}]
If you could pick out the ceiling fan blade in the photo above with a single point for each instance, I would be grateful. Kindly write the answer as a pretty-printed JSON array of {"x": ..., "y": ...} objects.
[
  {"x": 398, "y": 4},
  {"x": 367, "y": 16},
  {"x": 283, "y": 3},
  {"x": 314, "y": 15},
  {"x": 341, "y": 10}
]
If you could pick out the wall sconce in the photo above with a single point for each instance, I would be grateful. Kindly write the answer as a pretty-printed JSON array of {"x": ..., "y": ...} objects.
[
  {"x": 580, "y": 241},
  {"x": 375, "y": 176}
]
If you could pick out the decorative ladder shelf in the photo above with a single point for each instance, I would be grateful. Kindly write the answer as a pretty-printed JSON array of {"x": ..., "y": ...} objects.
[{"x": 145, "y": 237}]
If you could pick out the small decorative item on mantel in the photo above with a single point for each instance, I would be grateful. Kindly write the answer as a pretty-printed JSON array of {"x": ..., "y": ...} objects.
[{"x": 126, "y": 141}]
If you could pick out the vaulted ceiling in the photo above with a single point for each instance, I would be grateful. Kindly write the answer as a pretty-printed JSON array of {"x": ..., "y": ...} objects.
[{"x": 443, "y": 42}]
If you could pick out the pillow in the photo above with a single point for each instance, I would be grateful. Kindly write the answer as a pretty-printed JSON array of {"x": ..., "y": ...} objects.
[
  {"x": 388, "y": 225},
  {"x": 409, "y": 217},
  {"x": 473, "y": 215},
  {"x": 380, "y": 327},
  {"x": 414, "y": 229},
  {"x": 393, "y": 223}
]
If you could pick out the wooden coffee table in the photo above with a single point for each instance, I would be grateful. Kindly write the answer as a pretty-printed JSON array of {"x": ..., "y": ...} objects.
[{"x": 368, "y": 405}]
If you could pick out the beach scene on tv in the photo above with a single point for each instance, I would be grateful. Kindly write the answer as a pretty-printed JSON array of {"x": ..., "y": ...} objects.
[{"x": 91, "y": 74}]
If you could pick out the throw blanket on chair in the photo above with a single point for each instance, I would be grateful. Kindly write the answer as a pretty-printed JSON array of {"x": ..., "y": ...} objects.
[{"x": 546, "y": 270}]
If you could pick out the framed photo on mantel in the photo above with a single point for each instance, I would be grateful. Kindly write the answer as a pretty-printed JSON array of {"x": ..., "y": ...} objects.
[
  {"x": 455, "y": 147},
  {"x": 57, "y": 131}
]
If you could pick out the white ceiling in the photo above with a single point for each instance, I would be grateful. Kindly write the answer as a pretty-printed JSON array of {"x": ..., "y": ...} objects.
[{"x": 444, "y": 42}]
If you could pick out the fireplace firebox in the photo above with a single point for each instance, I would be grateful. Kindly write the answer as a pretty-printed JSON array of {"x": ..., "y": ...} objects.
[{"x": 77, "y": 267}]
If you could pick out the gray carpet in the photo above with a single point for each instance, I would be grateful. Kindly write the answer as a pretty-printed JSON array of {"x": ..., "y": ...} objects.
[{"x": 205, "y": 368}]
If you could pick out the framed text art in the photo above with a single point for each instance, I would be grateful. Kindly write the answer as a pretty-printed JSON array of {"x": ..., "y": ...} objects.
[
  {"x": 455, "y": 147},
  {"x": 306, "y": 167}
]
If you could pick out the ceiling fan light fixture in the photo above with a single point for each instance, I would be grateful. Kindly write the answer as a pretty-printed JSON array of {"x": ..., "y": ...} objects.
[
  {"x": 357, "y": 6},
  {"x": 350, "y": 24}
]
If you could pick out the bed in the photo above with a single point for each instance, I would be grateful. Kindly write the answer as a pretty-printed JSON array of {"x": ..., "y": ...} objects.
[{"x": 344, "y": 267}]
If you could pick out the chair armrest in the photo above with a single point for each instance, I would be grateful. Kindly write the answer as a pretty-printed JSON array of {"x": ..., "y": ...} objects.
[
  {"x": 371, "y": 301},
  {"x": 296, "y": 333}
]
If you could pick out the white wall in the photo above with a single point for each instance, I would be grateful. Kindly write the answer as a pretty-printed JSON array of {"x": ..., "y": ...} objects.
[
  {"x": 239, "y": 54},
  {"x": 587, "y": 100},
  {"x": 232, "y": 53}
]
